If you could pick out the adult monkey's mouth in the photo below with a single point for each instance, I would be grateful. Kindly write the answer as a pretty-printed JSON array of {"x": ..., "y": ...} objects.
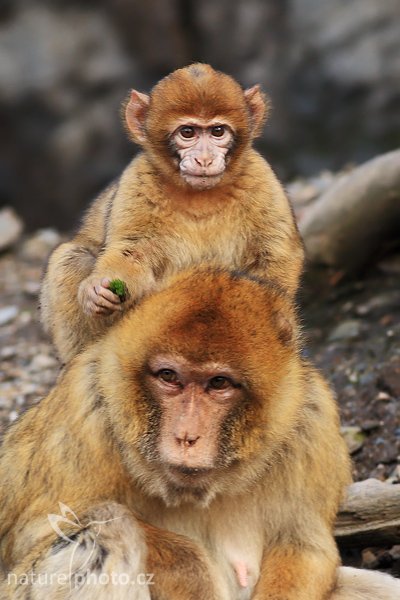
[{"x": 188, "y": 477}]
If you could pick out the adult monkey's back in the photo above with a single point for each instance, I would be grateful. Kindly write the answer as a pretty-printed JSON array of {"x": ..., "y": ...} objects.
[{"x": 197, "y": 193}]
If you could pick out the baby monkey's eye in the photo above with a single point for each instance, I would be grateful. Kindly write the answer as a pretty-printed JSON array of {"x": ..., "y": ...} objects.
[
  {"x": 219, "y": 383},
  {"x": 168, "y": 375},
  {"x": 218, "y": 130},
  {"x": 187, "y": 131}
]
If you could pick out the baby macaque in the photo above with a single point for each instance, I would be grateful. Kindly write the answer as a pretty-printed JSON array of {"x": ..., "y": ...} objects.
[{"x": 197, "y": 193}]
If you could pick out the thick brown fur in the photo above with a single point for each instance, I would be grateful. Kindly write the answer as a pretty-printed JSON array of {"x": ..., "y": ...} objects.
[
  {"x": 151, "y": 224},
  {"x": 261, "y": 525}
]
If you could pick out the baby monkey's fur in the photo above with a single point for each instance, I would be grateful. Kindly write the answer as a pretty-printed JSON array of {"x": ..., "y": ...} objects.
[{"x": 152, "y": 223}]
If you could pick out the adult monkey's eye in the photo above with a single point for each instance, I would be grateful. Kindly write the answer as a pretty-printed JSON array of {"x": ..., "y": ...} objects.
[
  {"x": 219, "y": 383},
  {"x": 187, "y": 132},
  {"x": 218, "y": 130},
  {"x": 168, "y": 375}
]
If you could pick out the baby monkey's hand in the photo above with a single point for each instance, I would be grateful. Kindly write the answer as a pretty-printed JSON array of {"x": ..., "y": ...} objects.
[{"x": 96, "y": 299}]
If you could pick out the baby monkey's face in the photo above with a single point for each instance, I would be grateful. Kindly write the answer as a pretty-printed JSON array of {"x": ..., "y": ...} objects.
[{"x": 201, "y": 151}]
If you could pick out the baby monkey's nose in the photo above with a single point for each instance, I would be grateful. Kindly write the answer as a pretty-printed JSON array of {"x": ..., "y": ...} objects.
[{"x": 203, "y": 161}]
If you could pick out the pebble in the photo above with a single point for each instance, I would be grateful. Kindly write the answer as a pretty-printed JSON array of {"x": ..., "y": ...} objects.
[
  {"x": 394, "y": 477},
  {"x": 395, "y": 552},
  {"x": 28, "y": 388},
  {"x": 32, "y": 288},
  {"x": 389, "y": 377},
  {"x": 378, "y": 472},
  {"x": 371, "y": 425},
  {"x": 13, "y": 416},
  {"x": 367, "y": 378},
  {"x": 40, "y": 244},
  {"x": 25, "y": 318},
  {"x": 42, "y": 361},
  {"x": 346, "y": 330},
  {"x": 353, "y": 376},
  {"x": 369, "y": 560},
  {"x": 353, "y": 436},
  {"x": 389, "y": 299},
  {"x": 8, "y": 314},
  {"x": 5, "y": 402},
  {"x": 10, "y": 228},
  {"x": 8, "y": 352}
]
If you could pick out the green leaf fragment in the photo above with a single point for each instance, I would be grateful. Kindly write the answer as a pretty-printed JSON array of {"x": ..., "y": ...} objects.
[{"x": 118, "y": 287}]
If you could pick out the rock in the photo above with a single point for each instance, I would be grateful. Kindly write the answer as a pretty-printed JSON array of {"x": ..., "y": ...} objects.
[
  {"x": 25, "y": 318},
  {"x": 395, "y": 552},
  {"x": 394, "y": 478},
  {"x": 367, "y": 378},
  {"x": 378, "y": 472},
  {"x": 385, "y": 559},
  {"x": 389, "y": 378},
  {"x": 353, "y": 376},
  {"x": 5, "y": 403},
  {"x": 32, "y": 288},
  {"x": 369, "y": 559},
  {"x": 346, "y": 330},
  {"x": 39, "y": 245},
  {"x": 301, "y": 192},
  {"x": 13, "y": 416},
  {"x": 353, "y": 436},
  {"x": 8, "y": 352},
  {"x": 387, "y": 300},
  {"x": 10, "y": 228},
  {"x": 370, "y": 425},
  {"x": 8, "y": 314},
  {"x": 41, "y": 362}
]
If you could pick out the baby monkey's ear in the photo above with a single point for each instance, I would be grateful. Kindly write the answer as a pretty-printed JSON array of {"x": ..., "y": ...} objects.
[
  {"x": 258, "y": 106},
  {"x": 135, "y": 115}
]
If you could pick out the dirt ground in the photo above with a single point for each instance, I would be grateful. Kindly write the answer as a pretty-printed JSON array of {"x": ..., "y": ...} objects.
[{"x": 351, "y": 331}]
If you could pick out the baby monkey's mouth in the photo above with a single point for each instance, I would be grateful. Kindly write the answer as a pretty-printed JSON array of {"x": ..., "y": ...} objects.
[{"x": 201, "y": 181}]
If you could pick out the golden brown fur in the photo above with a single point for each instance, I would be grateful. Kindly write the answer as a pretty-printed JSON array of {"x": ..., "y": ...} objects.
[
  {"x": 151, "y": 224},
  {"x": 260, "y": 527}
]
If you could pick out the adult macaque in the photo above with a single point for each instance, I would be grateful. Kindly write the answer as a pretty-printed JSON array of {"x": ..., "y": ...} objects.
[
  {"x": 197, "y": 193},
  {"x": 199, "y": 453}
]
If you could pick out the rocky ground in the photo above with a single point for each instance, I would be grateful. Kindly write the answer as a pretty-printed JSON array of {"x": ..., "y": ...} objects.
[
  {"x": 353, "y": 333},
  {"x": 351, "y": 330}
]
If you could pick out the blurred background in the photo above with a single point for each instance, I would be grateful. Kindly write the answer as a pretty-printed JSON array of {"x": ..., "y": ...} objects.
[
  {"x": 331, "y": 68},
  {"x": 332, "y": 71}
]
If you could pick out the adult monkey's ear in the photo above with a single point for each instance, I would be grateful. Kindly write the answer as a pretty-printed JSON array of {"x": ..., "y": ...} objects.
[
  {"x": 258, "y": 106},
  {"x": 135, "y": 114}
]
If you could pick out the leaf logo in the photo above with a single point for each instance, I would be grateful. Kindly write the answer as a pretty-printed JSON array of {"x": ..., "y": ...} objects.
[
  {"x": 68, "y": 517},
  {"x": 54, "y": 521}
]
